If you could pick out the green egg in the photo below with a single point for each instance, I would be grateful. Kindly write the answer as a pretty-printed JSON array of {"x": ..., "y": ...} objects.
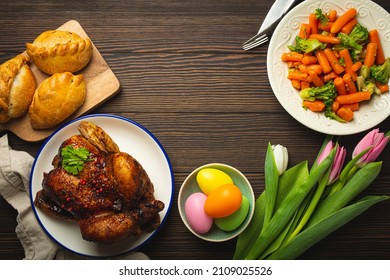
[{"x": 234, "y": 220}]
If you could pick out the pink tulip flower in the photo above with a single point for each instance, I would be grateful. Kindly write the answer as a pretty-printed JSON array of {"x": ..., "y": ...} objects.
[
  {"x": 375, "y": 139},
  {"x": 338, "y": 160}
]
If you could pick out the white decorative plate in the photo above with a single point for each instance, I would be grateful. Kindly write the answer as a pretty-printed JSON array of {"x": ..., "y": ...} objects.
[
  {"x": 131, "y": 138},
  {"x": 371, "y": 113}
]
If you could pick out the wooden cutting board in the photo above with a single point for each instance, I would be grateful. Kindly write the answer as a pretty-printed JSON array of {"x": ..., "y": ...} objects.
[{"x": 102, "y": 84}]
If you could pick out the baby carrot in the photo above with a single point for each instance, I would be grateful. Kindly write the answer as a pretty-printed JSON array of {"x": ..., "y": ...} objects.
[
  {"x": 356, "y": 66},
  {"x": 382, "y": 87},
  {"x": 292, "y": 56},
  {"x": 323, "y": 61},
  {"x": 309, "y": 60},
  {"x": 340, "y": 86},
  {"x": 304, "y": 85},
  {"x": 315, "y": 106},
  {"x": 343, "y": 20},
  {"x": 325, "y": 38},
  {"x": 344, "y": 54},
  {"x": 335, "y": 106},
  {"x": 349, "y": 26},
  {"x": 304, "y": 31},
  {"x": 296, "y": 84},
  {"x": 316, "y": 68},
  {"x": 373, "y": 37},
  {"x": 369, "y": 59},
  {"x": 345, "y": 113},
  {"x": 316, "y": 80},
  {"x": 325, "y": 26},
  {"x": 331, "y": 76},
  {"x": 295, "y": 75},
  {"x": 332, "y": 16},
  {"x": 313, "y": 23},
  {"x": 353, "y": 97},
  {"x": 333, "y": 61},
  {"x": 350, "y": 84},
  {"x": 353, "y": 106}
]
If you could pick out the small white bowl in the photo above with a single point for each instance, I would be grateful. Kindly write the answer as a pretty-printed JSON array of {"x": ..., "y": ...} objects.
[{"x": 190, "y": 186}]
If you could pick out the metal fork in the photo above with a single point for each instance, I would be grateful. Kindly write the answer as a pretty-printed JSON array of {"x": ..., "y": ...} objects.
[{"x": 261, "y": 37}]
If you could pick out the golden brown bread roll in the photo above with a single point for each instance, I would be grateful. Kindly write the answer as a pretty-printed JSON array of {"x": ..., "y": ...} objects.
[
  {"x": 56, "y": 98},
  {"x": 17, "y": 87},
  {"x": 57, "y": 51}
]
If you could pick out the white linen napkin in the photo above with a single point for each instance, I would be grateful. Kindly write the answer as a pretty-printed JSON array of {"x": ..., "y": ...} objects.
[{"x": 15, "y": 168}]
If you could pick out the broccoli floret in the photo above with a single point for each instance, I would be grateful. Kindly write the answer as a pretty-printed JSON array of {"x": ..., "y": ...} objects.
[
  {"x": 381, "y": 72},
  {"x": 364, "y": 71},
  {"x": 348, "y": 43},
  {"x": 332, "y": 115},
  {"x": 359, "y": 34},
  {"x": 356, "y": 39},
  {"x": 306, "y": 45},
  {"x": 364, "y": 84},
  {"x": 326, "y": 92}
]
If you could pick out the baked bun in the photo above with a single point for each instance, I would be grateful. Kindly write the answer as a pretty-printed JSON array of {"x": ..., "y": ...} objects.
[
  {"x": 57, "y": 51},
  {"x": 17, "y": 87},
  {"x": 56, "y": 98}
]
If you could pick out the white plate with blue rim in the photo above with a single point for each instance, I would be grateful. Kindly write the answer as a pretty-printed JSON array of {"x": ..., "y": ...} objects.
[
  {"x": 370, "y": 113},
  {"x": 131, "y": 138}
]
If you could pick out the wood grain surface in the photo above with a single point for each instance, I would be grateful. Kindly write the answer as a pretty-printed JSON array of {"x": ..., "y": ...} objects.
[{"x": 184, "y": 77}]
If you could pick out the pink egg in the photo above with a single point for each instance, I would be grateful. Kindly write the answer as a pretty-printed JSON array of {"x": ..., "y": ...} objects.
[{"x": 196, "y": 217}]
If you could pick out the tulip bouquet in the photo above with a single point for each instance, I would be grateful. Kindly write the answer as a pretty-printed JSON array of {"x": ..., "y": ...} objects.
[{"x": 301, "y": 206}]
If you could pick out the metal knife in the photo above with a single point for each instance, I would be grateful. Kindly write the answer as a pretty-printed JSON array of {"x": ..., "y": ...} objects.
[
  {"x": 274, "y": 15},
  {"x": 279, "y": 8}
]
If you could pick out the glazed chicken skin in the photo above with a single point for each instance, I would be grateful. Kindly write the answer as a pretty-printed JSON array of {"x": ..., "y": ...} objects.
[{"x": 111, "y": 198}]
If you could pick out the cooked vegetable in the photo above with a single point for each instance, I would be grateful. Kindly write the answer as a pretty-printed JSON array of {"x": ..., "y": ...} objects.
[
  {"x": 306, "y": 45},
  {"x": 349, "y": 26},
  {"x": 369, "y": 59},
  {"x": 343, "y": 20},
  {"x": 381, "y": 73},
  {"x": 333, "y": 61},
  {"x": 304, "y": 31},
  {"x": 348, "y": 42},
  {"x": 350, "y": 84},
  {"x": 349, "y": 58},
  {"x": 345, "y": 113},
  {"x": 326, "y": 92},
  {"x": 373, "y": 37},
  {"x": 320, "y": 16},
  {"x": 325, "y": 38},
  {"x": 315, "y": 106},
  {"x": 340, "y": 86},
  {"x": 353, "y": 97},
  {"x": 313, "y": 23},
  {"x": 323, "y": 61},
  {"x": 359, "y": 34}
]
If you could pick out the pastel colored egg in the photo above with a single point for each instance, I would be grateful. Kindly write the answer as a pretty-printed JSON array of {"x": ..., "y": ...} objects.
[
  {"x": 223, "y": 201},
  {"x": 234, "y": 220},
  {"x": 196, "y": 216},
  {"x": 210, "y": 178}
]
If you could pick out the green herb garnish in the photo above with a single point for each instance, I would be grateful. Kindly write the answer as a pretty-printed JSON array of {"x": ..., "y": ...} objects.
[
  {"x": 73, "y": 159},
  {"x": 320, "y": 16}
]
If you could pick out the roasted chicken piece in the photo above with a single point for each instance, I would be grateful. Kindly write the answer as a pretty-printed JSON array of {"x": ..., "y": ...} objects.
[{"x": 111, "y": 197}]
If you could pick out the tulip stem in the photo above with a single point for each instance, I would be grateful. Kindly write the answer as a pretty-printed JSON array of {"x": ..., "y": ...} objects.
[{"x": 312, "y": 206}]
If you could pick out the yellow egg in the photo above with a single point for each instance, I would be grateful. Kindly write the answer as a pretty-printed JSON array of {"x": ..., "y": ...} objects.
[{"x": 210, "y": 178}]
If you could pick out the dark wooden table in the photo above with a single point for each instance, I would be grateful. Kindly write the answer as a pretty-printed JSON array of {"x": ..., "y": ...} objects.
[{"x": 185, "y": 77}]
